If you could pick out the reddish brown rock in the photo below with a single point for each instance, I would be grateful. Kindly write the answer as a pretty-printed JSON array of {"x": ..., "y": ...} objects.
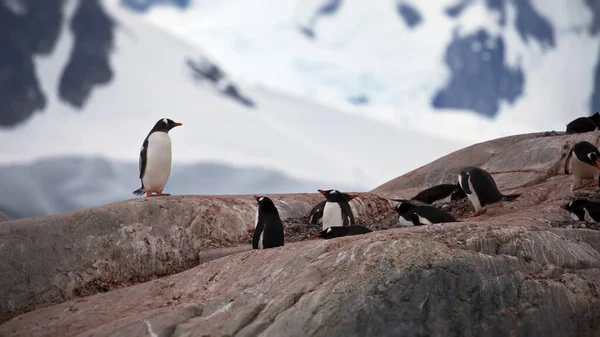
[
  {"x": 523, "y": 268},
  {"x": 47, "y": 260}
]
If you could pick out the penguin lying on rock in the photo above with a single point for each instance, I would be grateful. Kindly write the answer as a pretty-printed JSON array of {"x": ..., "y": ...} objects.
[
  {"x": 481, "y": 189},
  {"x": 440, "y": 194},
  {"x": 316, "y": 214},
  {"x": 585, "y": 165},
  {"x": 268, "y": 231},
  {"x": 155, "y": 158},
  {"x": 339, "y": 231},
  {"x": 583, "y": 210},
  {"x": 337, "y": 211},
  {"x": 584, "y": 124},
  {"x": 414, "y": 215}
]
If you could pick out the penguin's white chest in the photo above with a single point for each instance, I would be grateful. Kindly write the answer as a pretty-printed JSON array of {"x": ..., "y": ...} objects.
[
  {"x": 582, "y": 170},
  {"x": 405, "y": 223},
  {"x": 158, "y": 162},
  {"x": 473, "y": 197},
  {"x": 332, "y": 215}
]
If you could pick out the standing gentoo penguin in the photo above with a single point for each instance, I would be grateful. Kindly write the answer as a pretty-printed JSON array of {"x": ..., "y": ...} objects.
[
  {"x": 583, "y": 210},
  {"x": 481, "y": 189},
  {"x": 337, "y": 211},
  {"x": 441, "y": 194},
  {"x": 268, "y": 230},
  {"x": 337, "y": 231},
  {"x": 316, "y": 214},
  {"x": 155, "y": 158},
  {"x": 585, "y": 165},
  {"x": 412, "y": 215}
]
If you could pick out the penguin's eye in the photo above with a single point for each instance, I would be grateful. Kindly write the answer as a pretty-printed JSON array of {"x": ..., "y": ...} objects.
[{"x": 260, "y": 199}]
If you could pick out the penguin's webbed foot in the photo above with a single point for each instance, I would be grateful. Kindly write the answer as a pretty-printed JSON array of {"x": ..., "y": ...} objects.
[
  {"x": 148, "y": 193},
  {"x": 478, "y": 213}
]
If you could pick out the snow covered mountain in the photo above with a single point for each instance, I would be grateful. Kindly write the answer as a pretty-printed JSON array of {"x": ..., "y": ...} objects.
[
  {"x": 79, "y": 97},
  {"x": 481, "y": 68}
]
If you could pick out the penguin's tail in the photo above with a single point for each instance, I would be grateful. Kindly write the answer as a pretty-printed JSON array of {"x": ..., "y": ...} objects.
[
  {"x": 139, "y": 191},
  {"x": 511, "y": 197}
]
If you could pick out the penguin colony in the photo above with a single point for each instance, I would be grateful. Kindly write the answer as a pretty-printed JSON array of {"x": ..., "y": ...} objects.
[{"x": 335, "y": 213}]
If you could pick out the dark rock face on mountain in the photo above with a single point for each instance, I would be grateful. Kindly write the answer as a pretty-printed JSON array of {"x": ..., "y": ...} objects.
[
  {"x": 523, "y": 268},
  {"x": 30, "y": 28}
]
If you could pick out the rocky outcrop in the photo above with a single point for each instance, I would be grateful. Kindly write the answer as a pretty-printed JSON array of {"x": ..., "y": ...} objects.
[
  {"x": 47, "y": 260},
  {"x": 521, "y": 269}
]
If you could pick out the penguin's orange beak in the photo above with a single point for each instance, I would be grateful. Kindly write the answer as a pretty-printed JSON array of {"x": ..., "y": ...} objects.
[
  {"x": 350, "y": 197},
  {"x": 597, "y": 164},
  {"x": 177, "y": 124},
  {"x": 322, "y": 192},
  {"x": 318, "y": 234},
  {"x": 563, "y": 206},
  {"x": 256, "y": 197}
]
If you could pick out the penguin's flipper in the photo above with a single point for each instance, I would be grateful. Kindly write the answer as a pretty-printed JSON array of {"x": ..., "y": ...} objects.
[
  {"x": 511, "y": 197},
  {"x": 568, "y": 160},
  {"x": 347, "y": 216},
  {"x": 256, "y": 236},
  {"x": 414, "y": 217}
]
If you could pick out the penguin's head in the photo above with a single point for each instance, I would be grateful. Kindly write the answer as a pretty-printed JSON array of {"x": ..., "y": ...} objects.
[
  {"x": 404, "y": 207},
  {"x": 330, "y": 232},
  {"x": 458, "y": 193},
  {"x": 571, "y": 205},
  {"x": 165, "y": 125},
  {"x": 592, "y": 159},
  {"x": 463, "y": 181},
  {"x": 333, "y": 195},
  {"x": 265, "y": 204}
]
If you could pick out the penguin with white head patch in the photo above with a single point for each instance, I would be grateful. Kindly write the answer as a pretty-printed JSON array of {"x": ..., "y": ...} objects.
[
  {"x": 481, "y": 189},
  {"x": 585, "y": 164},
  {"x": 418, "y": 215},
  {"x": 337, "y": 210},
  {"x": 155, "y": 158},
  {"x": 583, "y": 210},
  {"x": 268, "y": 230},
  {"x": 315, "y": 217},
  {"x": 337, "y": 231}
]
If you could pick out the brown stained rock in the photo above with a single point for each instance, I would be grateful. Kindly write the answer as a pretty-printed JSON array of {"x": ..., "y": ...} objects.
[
  {"x": 519, "y": 278},
  {"x": 523, "y": 268},
  {"x": 47, "y": 260}
]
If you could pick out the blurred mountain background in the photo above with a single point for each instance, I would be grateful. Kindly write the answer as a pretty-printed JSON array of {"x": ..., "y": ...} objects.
[{"x": 275, "y": 96}]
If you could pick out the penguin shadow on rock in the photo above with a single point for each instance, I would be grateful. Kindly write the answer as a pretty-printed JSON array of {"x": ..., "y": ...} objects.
[
  {"x": 584, "y": 124},
  {"x": 411, "y": 213},
  {"x": 481, "y": 189},
  {"x": 268, "y": 229},
  {"x": 584, "y": 159},
  {"x": 155, "y": 159}
]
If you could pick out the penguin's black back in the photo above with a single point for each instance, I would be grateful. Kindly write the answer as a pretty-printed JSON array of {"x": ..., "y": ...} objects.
[
  {"x": 484, "y": 185},
  {"x": 269, "y": 223},
  {"x": 581, "y": 125},
  {"x": 337, "y": 231},
  {"x": 438, "y": 192},
  {"x": 431, "y": 213}
]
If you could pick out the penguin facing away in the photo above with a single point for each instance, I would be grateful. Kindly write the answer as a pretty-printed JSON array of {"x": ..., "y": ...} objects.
[
  {"x": 268, "y": 230},
  {"x": 315, "y": 216},
  {"x": 481, "y": 189},
  {"x": 339, "y": 231},
  {"x": 581, "y": 125},
  {"x": 585, "y": 164},
  {"x": 440, "y": 194},
  {"x": 155, "y": 158},
  {"x": 337, "y": 211}
]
